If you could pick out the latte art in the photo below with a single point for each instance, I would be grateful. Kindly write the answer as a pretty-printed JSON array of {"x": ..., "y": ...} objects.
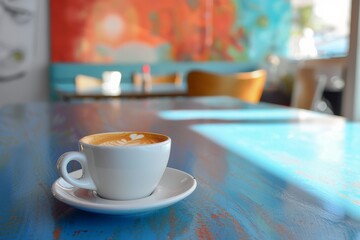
[
  {"x": 125, "y": 139},
  {"x": 131, "y": 142}
]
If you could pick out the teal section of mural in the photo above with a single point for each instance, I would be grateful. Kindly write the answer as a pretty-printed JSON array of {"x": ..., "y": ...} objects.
[{"x": 267, "y": 26}]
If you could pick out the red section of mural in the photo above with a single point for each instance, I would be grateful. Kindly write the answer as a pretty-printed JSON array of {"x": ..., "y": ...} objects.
[
  {"x": 66, "y": 26},
  {"x": 111, "y": 31}
]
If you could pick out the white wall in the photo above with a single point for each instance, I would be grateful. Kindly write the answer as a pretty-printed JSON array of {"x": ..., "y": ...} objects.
[{"x": 34, "y": 85}]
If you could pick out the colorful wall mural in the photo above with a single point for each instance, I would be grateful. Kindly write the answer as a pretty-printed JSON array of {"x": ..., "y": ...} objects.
[{"x": 132, "y": 31}]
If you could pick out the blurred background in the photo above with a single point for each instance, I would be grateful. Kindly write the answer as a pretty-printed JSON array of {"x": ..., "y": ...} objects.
[{"x": 278, "y": 35}]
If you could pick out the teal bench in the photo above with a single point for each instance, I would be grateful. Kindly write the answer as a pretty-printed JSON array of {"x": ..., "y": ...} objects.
[{"x": 64, "y": 73}]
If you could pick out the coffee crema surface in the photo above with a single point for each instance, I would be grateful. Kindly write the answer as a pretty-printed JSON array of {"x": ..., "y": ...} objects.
[{"x": 124, "y": 139}]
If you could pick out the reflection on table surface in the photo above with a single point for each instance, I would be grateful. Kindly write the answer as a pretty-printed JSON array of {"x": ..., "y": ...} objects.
[{"x": 263, "y": 171}]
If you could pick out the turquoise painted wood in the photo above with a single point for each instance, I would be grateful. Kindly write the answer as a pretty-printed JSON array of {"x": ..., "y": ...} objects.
[
  {"x": 62, "y": 73},
  {"x": 263, "y": 171}
]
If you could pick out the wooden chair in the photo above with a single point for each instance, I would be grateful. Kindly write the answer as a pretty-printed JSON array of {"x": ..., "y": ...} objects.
[
  {"x": 83, "y": 82},
  {"x": 174, "y": 78},
  {"x": 308, "y": 89},
  {"x": 247, "y": 86}
]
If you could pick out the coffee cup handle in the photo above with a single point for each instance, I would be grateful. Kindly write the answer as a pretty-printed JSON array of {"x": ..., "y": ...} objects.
[{"x": 85, "y": 180}]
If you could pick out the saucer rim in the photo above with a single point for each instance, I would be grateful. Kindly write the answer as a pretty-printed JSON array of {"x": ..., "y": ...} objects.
[{"x": 109, "y": 206}]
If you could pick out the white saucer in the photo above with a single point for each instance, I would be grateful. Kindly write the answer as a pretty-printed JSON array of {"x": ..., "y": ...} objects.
[{"x": 174, "y": 186}]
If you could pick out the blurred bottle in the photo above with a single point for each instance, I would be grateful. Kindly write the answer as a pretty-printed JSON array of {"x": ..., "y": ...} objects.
[{"x": 146, "y": 77}]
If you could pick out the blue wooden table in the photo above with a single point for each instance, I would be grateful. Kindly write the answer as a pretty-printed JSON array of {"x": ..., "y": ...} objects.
[{"x": 263, "y": 171}]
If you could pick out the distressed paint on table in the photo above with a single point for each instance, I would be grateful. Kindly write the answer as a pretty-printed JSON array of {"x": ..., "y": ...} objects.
[
  {"x": 310, "y": 155},
  {"x": 253, "y": 164}
]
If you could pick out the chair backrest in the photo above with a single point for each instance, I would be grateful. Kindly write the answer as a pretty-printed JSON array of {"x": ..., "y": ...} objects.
[
  {"x": 174, "y": 78},
  {"x": 308, "y": 88},
  {"x": 83, "y": 82},
  {"x": 247, "y": 86}
]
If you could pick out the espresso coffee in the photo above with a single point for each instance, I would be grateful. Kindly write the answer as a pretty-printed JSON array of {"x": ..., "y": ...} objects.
[{"x": 124, "y": 139}]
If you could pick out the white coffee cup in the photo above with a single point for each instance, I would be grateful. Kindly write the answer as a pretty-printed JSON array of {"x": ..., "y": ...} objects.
[{"x": 119, "y": 165}]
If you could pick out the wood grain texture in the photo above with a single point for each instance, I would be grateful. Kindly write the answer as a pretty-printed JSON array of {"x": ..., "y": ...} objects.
[{"x": 263, "y": 172}]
